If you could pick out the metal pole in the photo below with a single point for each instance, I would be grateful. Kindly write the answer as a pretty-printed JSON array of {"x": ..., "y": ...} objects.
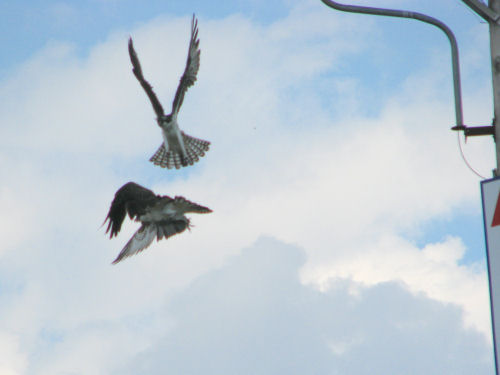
[
  {"x": 492, "y": 15},
  {"x": 495, "y": 70},
  {"x": 429, "y": 20},
  {"x": 494, "y": 5}
]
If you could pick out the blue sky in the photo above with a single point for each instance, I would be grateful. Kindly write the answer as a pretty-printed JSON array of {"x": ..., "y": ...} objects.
[{"x": 346, "y": 231}]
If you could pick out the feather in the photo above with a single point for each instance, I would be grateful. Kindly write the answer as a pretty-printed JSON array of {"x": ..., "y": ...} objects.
[
  {"x": 160, "y": 216},
  {"x": 137, "y": 70},
  {"x": 192, "y": 66},
  {"x": 182, "y": 205},
  {"x": 178, "y": 150},
  {"x": 132, "y": 198},
  {"x": 141, "y": 239},
  {"x": 195, "y": 148},
  {"x": 169, "y": 228}
]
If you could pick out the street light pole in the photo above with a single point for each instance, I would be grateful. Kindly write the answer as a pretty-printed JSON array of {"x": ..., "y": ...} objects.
[
  {"x": 494, "y": 5},
  {"x": 490, "y": 188}
]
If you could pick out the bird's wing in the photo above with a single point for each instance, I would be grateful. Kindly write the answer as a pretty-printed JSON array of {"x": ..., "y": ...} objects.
[
  {"x": 132, "y": 198},
  {"x": 192, "y": 66},
  {"x": 166, "y": 229},
  {"x": 182, "y": 205},
  {"x": 139, "y": 241},
  {"x": 137, "y": 70}
]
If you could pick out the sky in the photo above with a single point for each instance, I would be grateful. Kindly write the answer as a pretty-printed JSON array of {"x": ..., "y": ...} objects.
[{"x": 346, "y": 235}]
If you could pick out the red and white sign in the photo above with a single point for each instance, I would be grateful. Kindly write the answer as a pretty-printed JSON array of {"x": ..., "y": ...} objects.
[{"x": 490, "y": 192}]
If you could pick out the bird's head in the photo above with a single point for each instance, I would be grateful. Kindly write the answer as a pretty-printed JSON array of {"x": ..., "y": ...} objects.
[{"x": 164, "y": 120}]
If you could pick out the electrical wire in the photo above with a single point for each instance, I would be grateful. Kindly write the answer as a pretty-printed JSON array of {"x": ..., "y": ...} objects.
[{"x": 464, "y": 158}]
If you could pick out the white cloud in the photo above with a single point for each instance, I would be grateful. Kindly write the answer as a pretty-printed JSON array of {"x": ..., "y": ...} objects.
[
  {"x": 434, "y": 270},
  {"x": 12, "y": 361},
  {"x": 254, "y": 316}
]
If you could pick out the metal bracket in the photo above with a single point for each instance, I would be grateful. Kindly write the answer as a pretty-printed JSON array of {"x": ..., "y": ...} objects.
[
  {"x": 483, "y": 10},
  {"x": 474, "y": 131}
]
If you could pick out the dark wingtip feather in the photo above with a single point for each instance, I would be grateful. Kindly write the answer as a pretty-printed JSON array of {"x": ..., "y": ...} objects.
[
  {"x": 131, "y": 50},
  {"x": 119, "y": 258},
  {"x": 117, "y": 209}
]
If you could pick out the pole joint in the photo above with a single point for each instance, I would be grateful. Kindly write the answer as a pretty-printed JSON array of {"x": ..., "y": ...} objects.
[{"x": 474, "y": 131}]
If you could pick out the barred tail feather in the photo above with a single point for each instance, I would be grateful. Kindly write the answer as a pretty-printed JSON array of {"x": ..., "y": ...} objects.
[
  {"x": 166, "y": 159},
  {"x": 160, "y": 157},
  {"x": 195, "y": 148}
]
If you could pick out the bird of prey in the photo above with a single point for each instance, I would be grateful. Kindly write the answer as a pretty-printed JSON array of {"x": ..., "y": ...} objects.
[
  {"x": 160, "y": 216},
  {"x": 178, "y": 149}
]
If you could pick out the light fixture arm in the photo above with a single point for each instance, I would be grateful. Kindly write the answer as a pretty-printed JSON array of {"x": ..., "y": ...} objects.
[{"x": 427, "y": 19}]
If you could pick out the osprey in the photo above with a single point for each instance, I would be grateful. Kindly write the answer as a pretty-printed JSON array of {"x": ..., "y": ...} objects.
[
  {"x": 160, "y": 216},
  {"x": 177, "y": 148}
]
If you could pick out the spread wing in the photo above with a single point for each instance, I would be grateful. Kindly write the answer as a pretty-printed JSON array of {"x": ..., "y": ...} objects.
[
  {"x": 139, "y": 241},
  {"x": 182, "y": 206},
  {"x": 137, "y": 70},
  {"x": 131, "y": 198},
  {"x": 145, "y": 235},
  {"x": 192, "y": 66}
]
